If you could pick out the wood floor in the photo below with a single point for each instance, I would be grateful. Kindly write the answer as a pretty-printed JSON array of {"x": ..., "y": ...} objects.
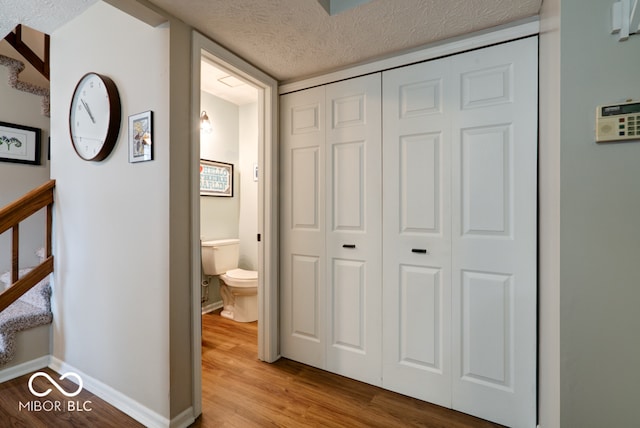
[
  {"x": 58, "y": 411},
  {"x": 241, "y": 391}
]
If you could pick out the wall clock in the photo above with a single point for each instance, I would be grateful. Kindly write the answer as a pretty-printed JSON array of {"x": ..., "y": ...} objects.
[{"x": 94, "y": 117}]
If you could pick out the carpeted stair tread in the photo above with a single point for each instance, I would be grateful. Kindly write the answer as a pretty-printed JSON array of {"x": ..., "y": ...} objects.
[{"x": 32, "y": 309}]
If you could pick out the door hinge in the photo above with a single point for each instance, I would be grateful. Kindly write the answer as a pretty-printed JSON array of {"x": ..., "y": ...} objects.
[{"x": 259, "y": 237}]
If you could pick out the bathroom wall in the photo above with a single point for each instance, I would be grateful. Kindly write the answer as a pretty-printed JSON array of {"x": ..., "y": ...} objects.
[
  {"x": 233, "y": 139},
  {"x": 219, "y": 215},
  {"x": 248, "y": 187}
]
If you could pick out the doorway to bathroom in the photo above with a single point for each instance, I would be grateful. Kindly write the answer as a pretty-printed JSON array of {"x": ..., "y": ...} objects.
[
  {"x": 229, "y": 183},
  {"x": 234, "y": 125}
]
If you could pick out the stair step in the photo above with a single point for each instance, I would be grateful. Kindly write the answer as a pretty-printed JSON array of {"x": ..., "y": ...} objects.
[{"x": 32, "y": 309}]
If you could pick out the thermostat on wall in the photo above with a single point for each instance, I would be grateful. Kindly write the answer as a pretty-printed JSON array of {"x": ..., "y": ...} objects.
[{"x": 618, "y": 122}]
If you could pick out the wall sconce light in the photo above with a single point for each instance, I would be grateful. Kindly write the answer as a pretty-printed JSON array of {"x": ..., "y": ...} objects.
[{"x": 205, "y": 123}]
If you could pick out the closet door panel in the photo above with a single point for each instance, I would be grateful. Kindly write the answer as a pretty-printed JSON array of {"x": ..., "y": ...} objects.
[
  {"x": 348, "y": 305},
  {"x": 303, "y": 264},
  {"x": 353, "y": 214},
  {"x": 420, "y": 183},
  {"x": 486, "y": 181},
  {"x": 416, "y": 231},
  {"x": 494, "y": 233},
  {"x": 420, "y": 329},
  {"x": 348, "y": 182}
]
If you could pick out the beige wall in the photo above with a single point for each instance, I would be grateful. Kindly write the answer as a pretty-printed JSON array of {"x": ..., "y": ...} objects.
[
  {"x": 35, "y": 41},
  {"x": 21, "y": 108},
  {"x": 25, "y": 109},
  {"x": 180, "y": 306},
  {"x": 121, "y": 301}
]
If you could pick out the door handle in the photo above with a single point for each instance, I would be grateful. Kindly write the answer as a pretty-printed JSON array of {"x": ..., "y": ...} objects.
[
  {"x": 419, "y": 251},
  {"x": 348, "y": 246}
]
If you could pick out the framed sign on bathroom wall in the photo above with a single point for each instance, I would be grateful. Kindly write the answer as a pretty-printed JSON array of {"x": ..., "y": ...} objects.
[{"x": 216, "y": 178}]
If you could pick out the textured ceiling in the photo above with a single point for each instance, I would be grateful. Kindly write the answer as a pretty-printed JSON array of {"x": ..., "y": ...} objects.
[
  {"x": 43, "y": 15},
  {"x": 292, "y": 39}
]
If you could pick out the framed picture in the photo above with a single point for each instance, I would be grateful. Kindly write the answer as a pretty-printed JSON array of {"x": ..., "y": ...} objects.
[
  {"x": 19, "y": 144},
  {"x": 141, "y": 137},
  {"x": 216, "y": 178}
]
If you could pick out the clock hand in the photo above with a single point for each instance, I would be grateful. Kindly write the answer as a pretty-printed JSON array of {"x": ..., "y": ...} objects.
[{"x": 86, "y": 107}]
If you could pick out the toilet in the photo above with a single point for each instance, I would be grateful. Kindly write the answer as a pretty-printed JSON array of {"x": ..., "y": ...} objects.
[{"x": 238, "y": 287}]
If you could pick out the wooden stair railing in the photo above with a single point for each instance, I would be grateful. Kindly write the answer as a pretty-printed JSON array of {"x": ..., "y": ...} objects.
[{"x": 10, "y": 218}]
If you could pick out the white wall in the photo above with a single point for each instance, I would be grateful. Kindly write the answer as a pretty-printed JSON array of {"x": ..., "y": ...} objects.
[
  {"x": 21, "y": 108},
  {"x": 112, "y": 218}
]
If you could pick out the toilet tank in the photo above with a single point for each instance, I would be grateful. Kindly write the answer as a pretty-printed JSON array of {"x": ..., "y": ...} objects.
[{"x": 220, "y": 256}]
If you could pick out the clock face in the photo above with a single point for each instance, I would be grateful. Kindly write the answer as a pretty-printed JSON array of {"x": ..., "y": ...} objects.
[{"x": 94, "y": 117}]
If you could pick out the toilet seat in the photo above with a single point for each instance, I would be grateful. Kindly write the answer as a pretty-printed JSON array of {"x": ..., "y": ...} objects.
[{"x": 241, "y": 278}]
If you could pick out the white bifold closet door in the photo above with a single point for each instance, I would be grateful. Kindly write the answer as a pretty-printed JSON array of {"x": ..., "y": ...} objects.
[
  {"x": 408, "y": 230},
  {"x": 331, "y": 227},
  {"x": 460, "y": 187},
  {"x": 417, "y": 231},
  {"x": 302, "y": 227},
  {"x": 494, "y": 206},
  {"x": 354, "y": 228}
]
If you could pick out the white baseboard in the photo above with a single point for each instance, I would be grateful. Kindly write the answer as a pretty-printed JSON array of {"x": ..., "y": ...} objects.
[
  {"x": 184, "y": 419},
  {"x": 131, "y": 407},
  {"x": 211, "y": 307},
  {"x": 24, "y": 368}
]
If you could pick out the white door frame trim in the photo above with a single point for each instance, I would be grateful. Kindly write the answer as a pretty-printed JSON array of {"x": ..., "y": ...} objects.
[{"x": 268, "y": 338}]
